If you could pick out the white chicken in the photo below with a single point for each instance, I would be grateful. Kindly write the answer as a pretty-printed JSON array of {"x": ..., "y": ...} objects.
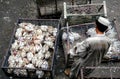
[
  {"x": 44, "y": 27},
  {"x": 19, "y": 32},
  {"x": 30, "y": 66},
  {"x": 39, "y": 73},
  {"x": 29, "y": 56},
  {"x": 47, "y": 55},
  {"x": 45, "y": 65}
]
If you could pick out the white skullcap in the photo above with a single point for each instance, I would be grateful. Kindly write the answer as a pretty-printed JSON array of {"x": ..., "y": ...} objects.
[{"x": 104, "y": 21}]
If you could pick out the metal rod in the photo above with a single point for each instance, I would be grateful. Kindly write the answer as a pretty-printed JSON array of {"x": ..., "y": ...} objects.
[
  {"x": 83, "y": 5},
  {"x": 65, "y": 12},
  {"x": 105, "y": 9},
  {"x": 101, "y": 67},
  {"x": 68, "y": 40},
  {"x": 84, "y": 14},
  {"x": 79, "y": 25},
  {"x": 82, "y": 24}
]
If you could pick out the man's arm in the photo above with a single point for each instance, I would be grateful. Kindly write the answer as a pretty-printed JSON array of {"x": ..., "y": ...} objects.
[{"x": 79, "y": 49}]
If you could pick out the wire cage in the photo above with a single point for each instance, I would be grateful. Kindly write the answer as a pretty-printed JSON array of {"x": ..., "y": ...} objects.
[
  {"x": 108, "y": 69},
  {"x": 101, "y": 72},
  {"x": 83, "y": 13},
  {"x": 31, "y": 72}
]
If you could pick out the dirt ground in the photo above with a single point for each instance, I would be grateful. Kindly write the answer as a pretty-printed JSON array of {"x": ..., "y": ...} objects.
[{"x": 11, "y": 10}]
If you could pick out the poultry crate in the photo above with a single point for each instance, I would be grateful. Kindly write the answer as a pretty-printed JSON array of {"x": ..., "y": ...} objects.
[
  {"x": 35, "y": 71},
  {"x": 108, "y": 69}
]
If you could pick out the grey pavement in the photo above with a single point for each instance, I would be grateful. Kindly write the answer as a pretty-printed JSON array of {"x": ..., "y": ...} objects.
[{"x": 10, "y": 11}]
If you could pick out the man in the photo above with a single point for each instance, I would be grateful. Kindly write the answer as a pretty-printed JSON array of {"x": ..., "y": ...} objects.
[{"x": 92, "y": 49}]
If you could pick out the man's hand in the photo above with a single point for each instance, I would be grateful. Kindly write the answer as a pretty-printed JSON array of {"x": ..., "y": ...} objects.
[{"x": 72, "y": 52}]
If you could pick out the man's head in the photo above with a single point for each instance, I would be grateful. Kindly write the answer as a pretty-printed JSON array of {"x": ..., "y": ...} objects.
[{"x": 102, "y": 24}]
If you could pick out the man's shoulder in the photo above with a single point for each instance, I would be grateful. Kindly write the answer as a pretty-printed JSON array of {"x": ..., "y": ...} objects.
[
  {"x": 98, "y": 38},
  {"x": 91, "y": 38}
]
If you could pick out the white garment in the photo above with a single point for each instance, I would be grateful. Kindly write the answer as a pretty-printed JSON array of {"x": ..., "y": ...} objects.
[{"x": 91, "y": 42}]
